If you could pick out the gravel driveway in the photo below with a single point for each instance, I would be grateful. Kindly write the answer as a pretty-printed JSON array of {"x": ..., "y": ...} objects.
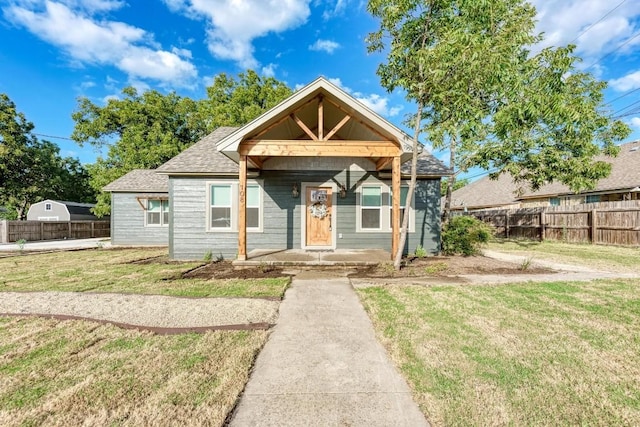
[{"x": 154, "y": 311}]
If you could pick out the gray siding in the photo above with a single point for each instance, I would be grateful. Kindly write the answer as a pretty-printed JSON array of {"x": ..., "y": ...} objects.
[
  {"x": 189, "y": 238},
  {"x": 127, "y": 223}
]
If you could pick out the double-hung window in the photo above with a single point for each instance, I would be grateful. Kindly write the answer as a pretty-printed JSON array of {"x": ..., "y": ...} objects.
[
  {"x": 253, "y": 206},
  {"x": 371, "y": 207},
  {"x": 157, "y": 212},
  {"x": 224, "y": 203},
  {"x": 221, "y": 201},
  {"x": 403, "y": 201}
]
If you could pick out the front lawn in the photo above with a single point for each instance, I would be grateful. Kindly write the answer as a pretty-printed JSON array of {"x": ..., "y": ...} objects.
[
  {"x": 607, "y": 258},
  {"x": 82, "y": 373},
  {"x": 141, "y": 271},
  {"x": 522, "y": 354}
]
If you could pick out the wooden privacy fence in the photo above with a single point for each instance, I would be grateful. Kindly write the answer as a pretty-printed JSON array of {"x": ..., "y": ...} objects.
[
  {"x": 12, "y": 231},
  {"x": 614, "y": 223}
]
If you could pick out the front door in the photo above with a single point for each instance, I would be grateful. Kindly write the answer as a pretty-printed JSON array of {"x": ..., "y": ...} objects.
[{"x": 318, "y": 213}]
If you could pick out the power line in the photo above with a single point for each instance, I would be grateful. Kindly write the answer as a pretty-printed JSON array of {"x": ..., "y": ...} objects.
[
  {"x": 598, "y": 21},
  {"x": 623, "y": 95},
  {"x": 53, "y": 136},
  {"x": 615, "y": 50}
]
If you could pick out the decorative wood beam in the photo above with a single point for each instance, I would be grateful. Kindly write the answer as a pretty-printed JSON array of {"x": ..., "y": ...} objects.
[
  {"x": 256, "y": 161},
  {"x": 271, "y": 126},
  {"x": 242, "y": 209},
  {"x": 306, "y": 148},
  {"x": 320, "y": 119},
  {"x": 397, "y": 196},
  {"x": 359, "y": 121},
  {"x": 304, "y": 127},
  {"x": 383, "y": 163},
  {"x": 337, "y": 127}
]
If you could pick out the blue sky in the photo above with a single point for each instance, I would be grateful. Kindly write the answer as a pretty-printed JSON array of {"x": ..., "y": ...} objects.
[{"x": 52, "y": 52}]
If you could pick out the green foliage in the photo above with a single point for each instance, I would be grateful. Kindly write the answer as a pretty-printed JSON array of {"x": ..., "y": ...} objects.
[
  {"x": 208, "y": 256},
  {"x": 32, "y": 170},
  {"x": 21, "y": 244},
  {"x": 145, "y": 130},
  {"x": 483, "y": 96},
  {"x": 464, "y": 235},
  {"x": 420, "y": 252},
  {"x": 457, "y": 184}
]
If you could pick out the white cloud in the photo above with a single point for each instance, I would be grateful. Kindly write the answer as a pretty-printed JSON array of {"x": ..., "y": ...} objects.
[
  {"x": 324, "y": 45},
  {"x": 99, "y": 42},
  {"x": 269, "y": 70},
  {"x": 234, "y": 24},
  {"x": 379, "y": 104},
  {"x": 635, "y": 122},
  {"x": 337, "y": 10},
  {"x": 625, "y": 83},
  {"x": 563, "y": 21}
]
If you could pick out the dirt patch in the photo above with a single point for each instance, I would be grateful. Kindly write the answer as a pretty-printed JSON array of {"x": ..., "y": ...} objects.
[
  {"x": 448, "y": 266},
  {"x": 225, "y": 270},
  {"x": 161, "y": 259}
]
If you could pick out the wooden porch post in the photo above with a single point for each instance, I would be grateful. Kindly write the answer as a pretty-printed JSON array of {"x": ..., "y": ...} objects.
[
  {"x": 242, "y": 210},
  {"x": 395, "y": 188}
]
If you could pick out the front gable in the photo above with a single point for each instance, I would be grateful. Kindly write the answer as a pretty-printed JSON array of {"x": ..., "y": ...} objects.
[{"x": 320, "y": 120}]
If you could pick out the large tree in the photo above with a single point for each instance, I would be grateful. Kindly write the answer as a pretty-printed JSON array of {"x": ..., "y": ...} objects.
[
  {"x": 468, "y": 66},
  {"x": 32, "y": 170},
  {"x": 145, "y": 130}
]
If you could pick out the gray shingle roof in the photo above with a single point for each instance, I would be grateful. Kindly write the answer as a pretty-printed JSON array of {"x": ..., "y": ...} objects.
[
  {"x": 202, "y": 157},
  {"x": 625, "y": 174},
  {"x": 140, "y": 181},
  {"x": 427, "y": 165}
]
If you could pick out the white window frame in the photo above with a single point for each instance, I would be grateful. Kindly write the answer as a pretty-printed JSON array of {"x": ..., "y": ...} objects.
[
  {"x": 380, "y": 208},
  {"x": 146, "y": 213},
  {"x": 385, "y": 208},
  {"x": 235, "y": 202},
  {"x": 412, "y": 211},
  {"x": 48, "y": 206}
]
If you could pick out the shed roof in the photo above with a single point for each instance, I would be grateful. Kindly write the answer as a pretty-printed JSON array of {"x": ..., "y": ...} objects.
[{"x": 140, "y": 180}]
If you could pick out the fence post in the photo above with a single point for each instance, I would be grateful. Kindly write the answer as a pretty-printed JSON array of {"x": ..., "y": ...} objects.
[
  {"x": 543, "y": 221},
  {"x": 506, "y": 225},
  {"x": 93, "y": 233},
  {"x": 41, "y": 230},
  {"x": 4, "y": 231},
  {"x": 70, "y": 236},
  {"x": 594, "y": 225}
]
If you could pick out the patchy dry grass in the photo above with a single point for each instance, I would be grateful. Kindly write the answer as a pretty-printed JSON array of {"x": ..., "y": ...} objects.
[
  {"x": 524, "y": 354},
  {"x": 142, "y": 271},
  {"x": 74, "y": 372},
  {"x": 606, "y": 258}
]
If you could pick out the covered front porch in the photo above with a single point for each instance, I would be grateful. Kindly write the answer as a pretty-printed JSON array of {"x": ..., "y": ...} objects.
[{"x": 314, "y": 258}]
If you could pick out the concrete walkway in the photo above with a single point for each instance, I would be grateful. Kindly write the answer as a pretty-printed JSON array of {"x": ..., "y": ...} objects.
[
  {"x": 51, "y": 245},
  {"x": 323, "y": 366}
]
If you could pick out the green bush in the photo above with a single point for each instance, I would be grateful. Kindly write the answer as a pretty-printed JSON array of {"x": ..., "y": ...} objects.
[{"x": 464, "y": 235}]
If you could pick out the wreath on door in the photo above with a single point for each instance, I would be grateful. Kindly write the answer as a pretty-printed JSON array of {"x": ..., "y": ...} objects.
[{"x": 318, "y": 210}]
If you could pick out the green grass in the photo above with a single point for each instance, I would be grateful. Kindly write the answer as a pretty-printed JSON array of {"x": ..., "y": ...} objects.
[
  {"x": 75, "y": 372},
  {"x": 607, "y": 258},
  {"x": 523, "y": 354},
  {"x": 121, "y": 270}
]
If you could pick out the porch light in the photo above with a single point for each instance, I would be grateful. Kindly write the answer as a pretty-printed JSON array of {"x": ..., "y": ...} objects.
[
  {"x": 343, "y": 191},
  {"x": 294, "y": 191}
]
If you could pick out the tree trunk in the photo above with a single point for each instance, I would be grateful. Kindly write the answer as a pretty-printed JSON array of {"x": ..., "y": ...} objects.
[
  {"x": 412, "y": 187},
  {"x": 446, "y": 212}
]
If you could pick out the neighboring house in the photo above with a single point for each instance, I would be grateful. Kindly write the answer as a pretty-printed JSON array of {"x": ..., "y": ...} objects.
[
  {"x": 57, "y": 210},
  {"x": 140, "y": 209},
  {"x": 316, "y": 172},
  {"x": 622, "y": 184}
]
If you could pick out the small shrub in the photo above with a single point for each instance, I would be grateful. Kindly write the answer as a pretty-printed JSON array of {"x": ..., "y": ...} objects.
[
  {"x": 208, "y": 256},
  {"x": 420, "y": 252},
  {"x": 436, "y": 267},
  {"x": 526, "y": 263},
  {"x": 464, "y": 235},
  {"x": 21, "y": 244}
]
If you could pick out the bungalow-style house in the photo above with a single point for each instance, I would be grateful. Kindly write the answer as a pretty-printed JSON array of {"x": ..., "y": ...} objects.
[
  {"x": 317, "y": 172},
  {"x": 58, "y": 210},
  {"x": 622, "y": 184}
]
